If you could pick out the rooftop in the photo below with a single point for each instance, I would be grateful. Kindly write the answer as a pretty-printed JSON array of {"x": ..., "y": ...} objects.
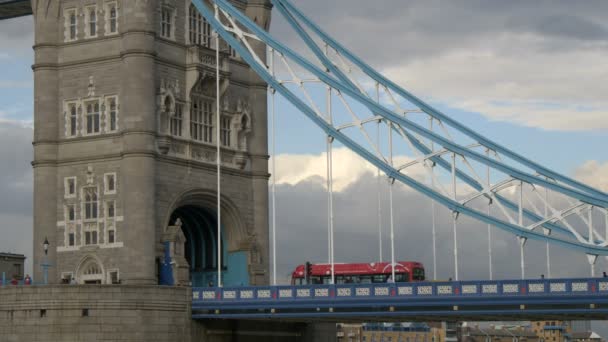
[{"x": 11, "y": 255}]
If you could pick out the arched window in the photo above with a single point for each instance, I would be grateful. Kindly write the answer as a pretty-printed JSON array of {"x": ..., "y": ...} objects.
[
  {"x": 93, "y": 117},
  {"x": 199, "y": 28},
  {"x": 92, "y": 22},
  {"x": 113, "y": 18},
  {"x": 90, "y": 203},
  {"x": 73, "y": 25},
  {"x": 225, "y": 130},
  {"x": 166, "y": 22},
  {"x": 113, "y": 114},
  {"x": 73, "y": 120},
  {"x": 201, "y": 118},
  {"x": 176, "y": 121}
]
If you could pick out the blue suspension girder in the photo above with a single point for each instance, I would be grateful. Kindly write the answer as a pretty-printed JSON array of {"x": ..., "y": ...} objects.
[
  {"x": 236, "y": 29},
  {"x": 294, "y": 11}
]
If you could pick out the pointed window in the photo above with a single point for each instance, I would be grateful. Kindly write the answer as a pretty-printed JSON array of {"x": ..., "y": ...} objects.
[
  {"x": 225, "y": 130},
  {"x": 92, "y": 22},
  {"x": 73, "y": 120},
  {"x": 90, "y": 203},
  {"x": 201, "y": 118},
  {"x": 166, "y": 23},
  {"x": 93, "y": 117},
  {"x": 199, "y": 28},
  {"x": 113, "y": 19},
  {"x": 112, "y": 114},
  {"x": 73, "y": 22},
  {"x": 176, "y": 121}
]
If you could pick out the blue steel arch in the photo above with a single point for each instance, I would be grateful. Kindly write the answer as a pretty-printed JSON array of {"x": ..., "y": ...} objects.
[
  {"x": 387, "y": 114},
  {"x": 281, "y": 4},
  {"x": 438, "y": 160},
  {"x": 579, "y": 191}
]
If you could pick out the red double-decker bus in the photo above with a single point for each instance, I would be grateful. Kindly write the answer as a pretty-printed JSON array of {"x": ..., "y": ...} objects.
[{"x": 376, "y": 272}]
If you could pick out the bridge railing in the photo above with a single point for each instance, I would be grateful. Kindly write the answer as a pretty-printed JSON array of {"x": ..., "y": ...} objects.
[{"x": 502, "y": 288}]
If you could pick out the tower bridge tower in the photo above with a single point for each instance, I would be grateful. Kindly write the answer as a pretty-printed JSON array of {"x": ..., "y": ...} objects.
[{"x": 125, "y": 144}]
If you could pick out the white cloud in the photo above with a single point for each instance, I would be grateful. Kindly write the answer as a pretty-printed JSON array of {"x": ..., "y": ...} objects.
[
  {"x": 348, "y": 168},
  {"x": 594, "y": 173},
  {"x": 512, "y": 79}
]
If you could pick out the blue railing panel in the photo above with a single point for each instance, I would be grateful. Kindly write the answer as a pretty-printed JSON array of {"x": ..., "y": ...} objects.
[{"x": 346, "y": 292}]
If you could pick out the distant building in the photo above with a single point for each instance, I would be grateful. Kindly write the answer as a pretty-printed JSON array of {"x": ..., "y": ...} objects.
[
  {"x": 498, "y": 334},
  {"x": 589, "y": 336},
  {"x": 391, "y": 332},
  {"x": 552, "y": 330},
  {"x": 580, "y": 326},
  {"x": 11, "y": 265}
]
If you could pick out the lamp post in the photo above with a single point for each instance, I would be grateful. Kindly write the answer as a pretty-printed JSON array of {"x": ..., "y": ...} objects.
[{"x": 45, "y": 264}]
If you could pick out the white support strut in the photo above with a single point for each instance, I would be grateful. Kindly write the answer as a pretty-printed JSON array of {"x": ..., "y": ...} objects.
[
  {"x": 390, "y": 189},
  {"x": 455, "y": 218},
  {"x": 218, "y": 154},
  {"x": 489, "y": 184},
  {"x": 274, "y": 171}
]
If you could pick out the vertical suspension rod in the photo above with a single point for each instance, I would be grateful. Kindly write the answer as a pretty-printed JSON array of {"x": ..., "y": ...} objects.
[
  {"x": 592, "y": 259},
  {"x": 522, "y": 240},
  {"x": 218, "y": 153},
  {"x": 379, "y": 184},
  {"x": 434, "y": 224},
  {"x": 455, "y": 218},
  {"x": 330, "y": 186},
  {"x": 391, "y": 184},
  {"x": 489, "y": 183},
  {"x": 547, "y": 232},
  {"x": 274, "y": 173}
]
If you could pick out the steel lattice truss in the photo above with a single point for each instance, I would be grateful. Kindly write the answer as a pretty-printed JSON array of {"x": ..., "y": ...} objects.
[{"x": 466, "y": 172}]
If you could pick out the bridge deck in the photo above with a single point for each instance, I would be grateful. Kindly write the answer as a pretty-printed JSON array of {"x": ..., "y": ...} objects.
[
  {"x": 480, "y": 301},
  {"x": 14, "y": 8}
]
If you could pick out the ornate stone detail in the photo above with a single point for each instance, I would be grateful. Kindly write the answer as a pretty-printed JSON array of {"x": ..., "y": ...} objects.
[
  {"x": 91, "y": 87},
  {"x": 164, "y": 144},
  {"x": 175, "y": 238},
  {"x": 169, "y": 86},
  {"x": 90, "y": 175}
]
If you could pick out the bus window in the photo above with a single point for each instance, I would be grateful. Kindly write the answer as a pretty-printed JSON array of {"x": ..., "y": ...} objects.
[
  {"x": 316, "y": 280},
  {"x": 327, "y": 280},
  {"x": 379, "y": 278},
  {"x": 418, "y": 274},
  {"x": 401, "y": 277},
  {"x": 365, "y": 279}
]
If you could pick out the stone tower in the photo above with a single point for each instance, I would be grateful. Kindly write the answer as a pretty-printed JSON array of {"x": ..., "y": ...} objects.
[{"x": 125, "y": 144}]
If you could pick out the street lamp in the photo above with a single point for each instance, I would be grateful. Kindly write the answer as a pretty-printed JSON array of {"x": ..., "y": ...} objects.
[
  {"x": 45, "y": 264},
  {"x": 45, "y": 245}
]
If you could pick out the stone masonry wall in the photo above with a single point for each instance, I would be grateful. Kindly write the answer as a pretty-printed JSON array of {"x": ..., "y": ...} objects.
[{"x": 73, "y": 313}]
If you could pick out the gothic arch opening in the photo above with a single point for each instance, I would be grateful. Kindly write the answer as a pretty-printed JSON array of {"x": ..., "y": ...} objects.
[
  {"x": 90, "y": 271},
  {"x": 196, "y": 216}
]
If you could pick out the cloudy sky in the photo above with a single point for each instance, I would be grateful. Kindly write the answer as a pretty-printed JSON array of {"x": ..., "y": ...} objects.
[{"x": 531, "y": 75}]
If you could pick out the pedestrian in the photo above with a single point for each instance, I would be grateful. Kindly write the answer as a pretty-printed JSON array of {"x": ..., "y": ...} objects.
[
  {"x": 73, "y": 281},
  {"x": 28, "y": 280},
  {"x": 542, "y": 276},
  {"x": 14, "y": 281},
  {"x": 211, "y": 284},
  {"x": 604, "y": 274}
]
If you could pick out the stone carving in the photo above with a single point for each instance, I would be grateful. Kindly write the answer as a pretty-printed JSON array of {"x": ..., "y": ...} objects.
[
  {"x": 175, "y": 238},
  {"x": 91, "y": 87},
  {"x": 90, "y": 175},
  {"x": 169, "y": 86}
]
